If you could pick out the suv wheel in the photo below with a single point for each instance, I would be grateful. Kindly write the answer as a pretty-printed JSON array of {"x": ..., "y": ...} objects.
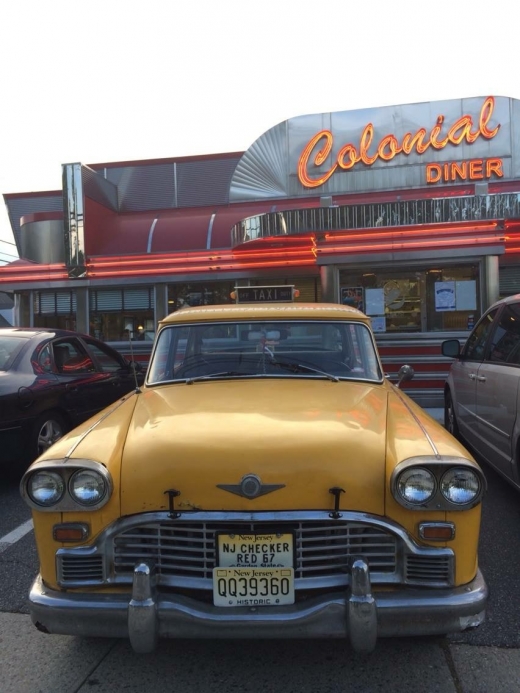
[{"x": 450, "y": 420}]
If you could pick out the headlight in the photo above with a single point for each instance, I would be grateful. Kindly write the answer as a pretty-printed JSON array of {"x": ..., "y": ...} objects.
[
  {"x": 87, "y": 487},
  {"x": 66, "y": 485},
  {"x": 440, "y": 482},
  {"x": 46, "y": 488},
  {"x": 460, "y": 485},
  {"x": 416, "y": 485}
]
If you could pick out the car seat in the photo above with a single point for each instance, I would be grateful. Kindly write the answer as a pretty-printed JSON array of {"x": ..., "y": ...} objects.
[{"x": 61, "y": 356}]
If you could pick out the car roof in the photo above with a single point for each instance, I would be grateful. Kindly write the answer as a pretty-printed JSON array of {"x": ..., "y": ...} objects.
[
  {"x": 508, "y": 299},
  {"x": 271, "y": 311},
  {"x": 30, "y": 332}
]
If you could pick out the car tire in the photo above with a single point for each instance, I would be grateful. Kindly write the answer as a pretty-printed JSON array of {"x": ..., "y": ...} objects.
[
  {"x": 450, "y": 420},
  {"x": 47, "y": 429}
]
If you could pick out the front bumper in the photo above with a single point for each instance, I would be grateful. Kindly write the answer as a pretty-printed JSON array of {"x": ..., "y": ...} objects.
[{"x": 357, "y": 613}]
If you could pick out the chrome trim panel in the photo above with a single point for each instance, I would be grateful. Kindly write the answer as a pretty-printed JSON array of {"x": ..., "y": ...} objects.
[
  {"x": 150, "y": 235},
  {"x": 73, "y": 220},
  {"x": 340, "y": 218}
]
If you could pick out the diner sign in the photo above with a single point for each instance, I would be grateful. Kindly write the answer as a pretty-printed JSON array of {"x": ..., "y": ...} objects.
[
  {"x": 367, "y": 151},
  {"x": 401, "y": 147}
]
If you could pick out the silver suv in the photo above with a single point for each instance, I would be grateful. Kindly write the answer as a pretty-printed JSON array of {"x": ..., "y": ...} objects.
[{"x": 482, "y": 392}]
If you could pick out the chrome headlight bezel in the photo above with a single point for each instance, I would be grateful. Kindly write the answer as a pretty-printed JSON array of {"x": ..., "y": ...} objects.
[
  {"x": 66, "y": 470},
  {"x": 441, "y": 467}
]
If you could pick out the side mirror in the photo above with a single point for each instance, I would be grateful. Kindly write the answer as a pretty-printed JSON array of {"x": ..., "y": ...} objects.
[
  {"x": 405, "y": 373},
  {"x": 451, "y": 348}
]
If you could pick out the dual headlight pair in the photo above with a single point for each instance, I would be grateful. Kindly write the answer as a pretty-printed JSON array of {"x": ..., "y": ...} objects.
[
  {"x": 86, "y": 485},
  {"x": 460, "y": 487}
]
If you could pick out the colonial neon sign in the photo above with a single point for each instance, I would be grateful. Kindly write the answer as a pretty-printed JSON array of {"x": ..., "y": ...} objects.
[{"x": 462, "y": 130}]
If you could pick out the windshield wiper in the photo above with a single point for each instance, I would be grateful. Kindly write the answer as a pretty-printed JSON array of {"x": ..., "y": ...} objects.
[
  {"x": 296, "y": 367},
  {"x": 210, "y": 376}
]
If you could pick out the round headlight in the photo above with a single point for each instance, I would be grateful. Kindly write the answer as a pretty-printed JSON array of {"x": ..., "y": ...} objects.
[
  {"x": 416, "y": 485},
  {"x": 46, "y": 488},
  {"x": 87, "y": 487},
  {"x": 460, "y": 485}
]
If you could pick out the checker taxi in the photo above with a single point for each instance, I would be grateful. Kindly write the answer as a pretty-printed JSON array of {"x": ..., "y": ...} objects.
[{"x": 267, "y": 480}]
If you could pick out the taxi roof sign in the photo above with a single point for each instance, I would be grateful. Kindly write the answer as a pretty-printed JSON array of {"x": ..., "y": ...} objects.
[{"x": 265, "y": 294}]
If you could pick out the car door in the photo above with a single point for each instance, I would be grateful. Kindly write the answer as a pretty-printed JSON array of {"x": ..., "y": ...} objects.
[
  {"x": 116, "y": 369},
  {"x": 464, "y": 374},
  {"x": 497, "y": 388},
  {"x": 87, "y": 389}
]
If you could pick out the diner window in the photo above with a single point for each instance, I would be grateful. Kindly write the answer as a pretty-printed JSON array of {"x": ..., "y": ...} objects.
[
  {"x": 309, "y": 288},
  {"x": 199, "y": 294},
  {"x": 122, "y": 314},
  {"x": 212, "y": 293},
  {"x": 54, "y": 309},
  {"x": 415, "y": 300}
]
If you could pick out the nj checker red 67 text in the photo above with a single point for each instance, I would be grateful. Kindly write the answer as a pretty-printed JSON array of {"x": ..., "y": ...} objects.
[{"x": 261, "y": 553}]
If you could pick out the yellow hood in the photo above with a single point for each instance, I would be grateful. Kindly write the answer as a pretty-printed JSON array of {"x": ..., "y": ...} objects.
[{"x": 308, "y": 436}]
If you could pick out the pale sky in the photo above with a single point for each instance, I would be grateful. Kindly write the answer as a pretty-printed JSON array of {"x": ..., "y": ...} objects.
[{"x": 96, "y": 81}]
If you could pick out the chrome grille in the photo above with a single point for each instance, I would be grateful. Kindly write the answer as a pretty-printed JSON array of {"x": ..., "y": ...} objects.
[
  {"x": 183, "y": 551},
  {"x": 427, "y": 569},
  {"x": 321, "y": 548},
  {"x": 81, "y": 568}
]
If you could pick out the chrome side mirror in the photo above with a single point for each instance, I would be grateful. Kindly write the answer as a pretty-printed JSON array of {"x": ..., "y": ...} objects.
[{"x": 405, "y": 373}]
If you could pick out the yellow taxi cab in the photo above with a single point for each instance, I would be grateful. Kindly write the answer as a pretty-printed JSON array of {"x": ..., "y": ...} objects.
[{"x": 266, "y": 481}]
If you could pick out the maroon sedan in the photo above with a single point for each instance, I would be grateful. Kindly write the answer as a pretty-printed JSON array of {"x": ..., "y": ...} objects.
[{"x": 51, "y": 380}]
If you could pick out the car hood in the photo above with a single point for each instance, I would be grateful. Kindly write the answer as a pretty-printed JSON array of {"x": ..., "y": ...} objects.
[{"x": 302, "y": 436}]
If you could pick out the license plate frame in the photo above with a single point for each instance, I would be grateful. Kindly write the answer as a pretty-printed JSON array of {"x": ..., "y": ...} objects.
[{"x": 254, "y": 569}]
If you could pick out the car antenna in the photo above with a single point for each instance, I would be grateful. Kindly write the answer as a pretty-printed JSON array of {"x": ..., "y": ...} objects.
[{"x": 133, "y": 362}]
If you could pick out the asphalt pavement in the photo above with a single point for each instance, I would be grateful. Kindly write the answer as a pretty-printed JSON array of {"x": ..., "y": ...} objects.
[{"x": 38, "y": 663}]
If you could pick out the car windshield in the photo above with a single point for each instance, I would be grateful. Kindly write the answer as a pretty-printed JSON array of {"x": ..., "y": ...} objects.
[
  {"x": 310, "y": 349},
  {"x": 9, "y": 346}
]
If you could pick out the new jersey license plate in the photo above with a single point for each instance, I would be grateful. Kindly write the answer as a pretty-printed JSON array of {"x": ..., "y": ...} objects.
[
  {"x": 253, "y": 586},
  {"x": 254, "y": 570}
]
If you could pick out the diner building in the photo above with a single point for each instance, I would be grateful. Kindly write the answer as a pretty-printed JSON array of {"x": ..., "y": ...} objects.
[{"x": 410, "y": 212}]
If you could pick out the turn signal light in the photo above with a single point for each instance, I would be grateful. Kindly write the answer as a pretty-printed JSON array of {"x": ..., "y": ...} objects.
[
  {"x": 70, "y": 532},
  {"x": 437, "y": 531}
]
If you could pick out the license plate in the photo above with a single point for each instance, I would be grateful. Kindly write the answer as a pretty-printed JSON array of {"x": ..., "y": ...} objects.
[
  {"x": 254, "y": 570},
  {"x": 255, "y": 551},
  {"x": 253, "y": 586}
]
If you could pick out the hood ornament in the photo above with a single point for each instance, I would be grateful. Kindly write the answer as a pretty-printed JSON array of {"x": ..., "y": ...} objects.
[{"x": 250, "y": 487}]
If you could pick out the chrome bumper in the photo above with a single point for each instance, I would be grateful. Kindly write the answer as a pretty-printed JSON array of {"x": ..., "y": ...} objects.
[{"x": 358, "y": 614}]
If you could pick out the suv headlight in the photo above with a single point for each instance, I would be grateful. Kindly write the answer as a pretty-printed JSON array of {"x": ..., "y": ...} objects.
[{"x": 416, "y": 485}]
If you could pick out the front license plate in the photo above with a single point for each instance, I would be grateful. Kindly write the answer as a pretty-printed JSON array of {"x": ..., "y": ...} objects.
[
  {"x": 255, "y": 550},
  {"x": 254, "y": 570},
  {"x": 253, "y": 586}
]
